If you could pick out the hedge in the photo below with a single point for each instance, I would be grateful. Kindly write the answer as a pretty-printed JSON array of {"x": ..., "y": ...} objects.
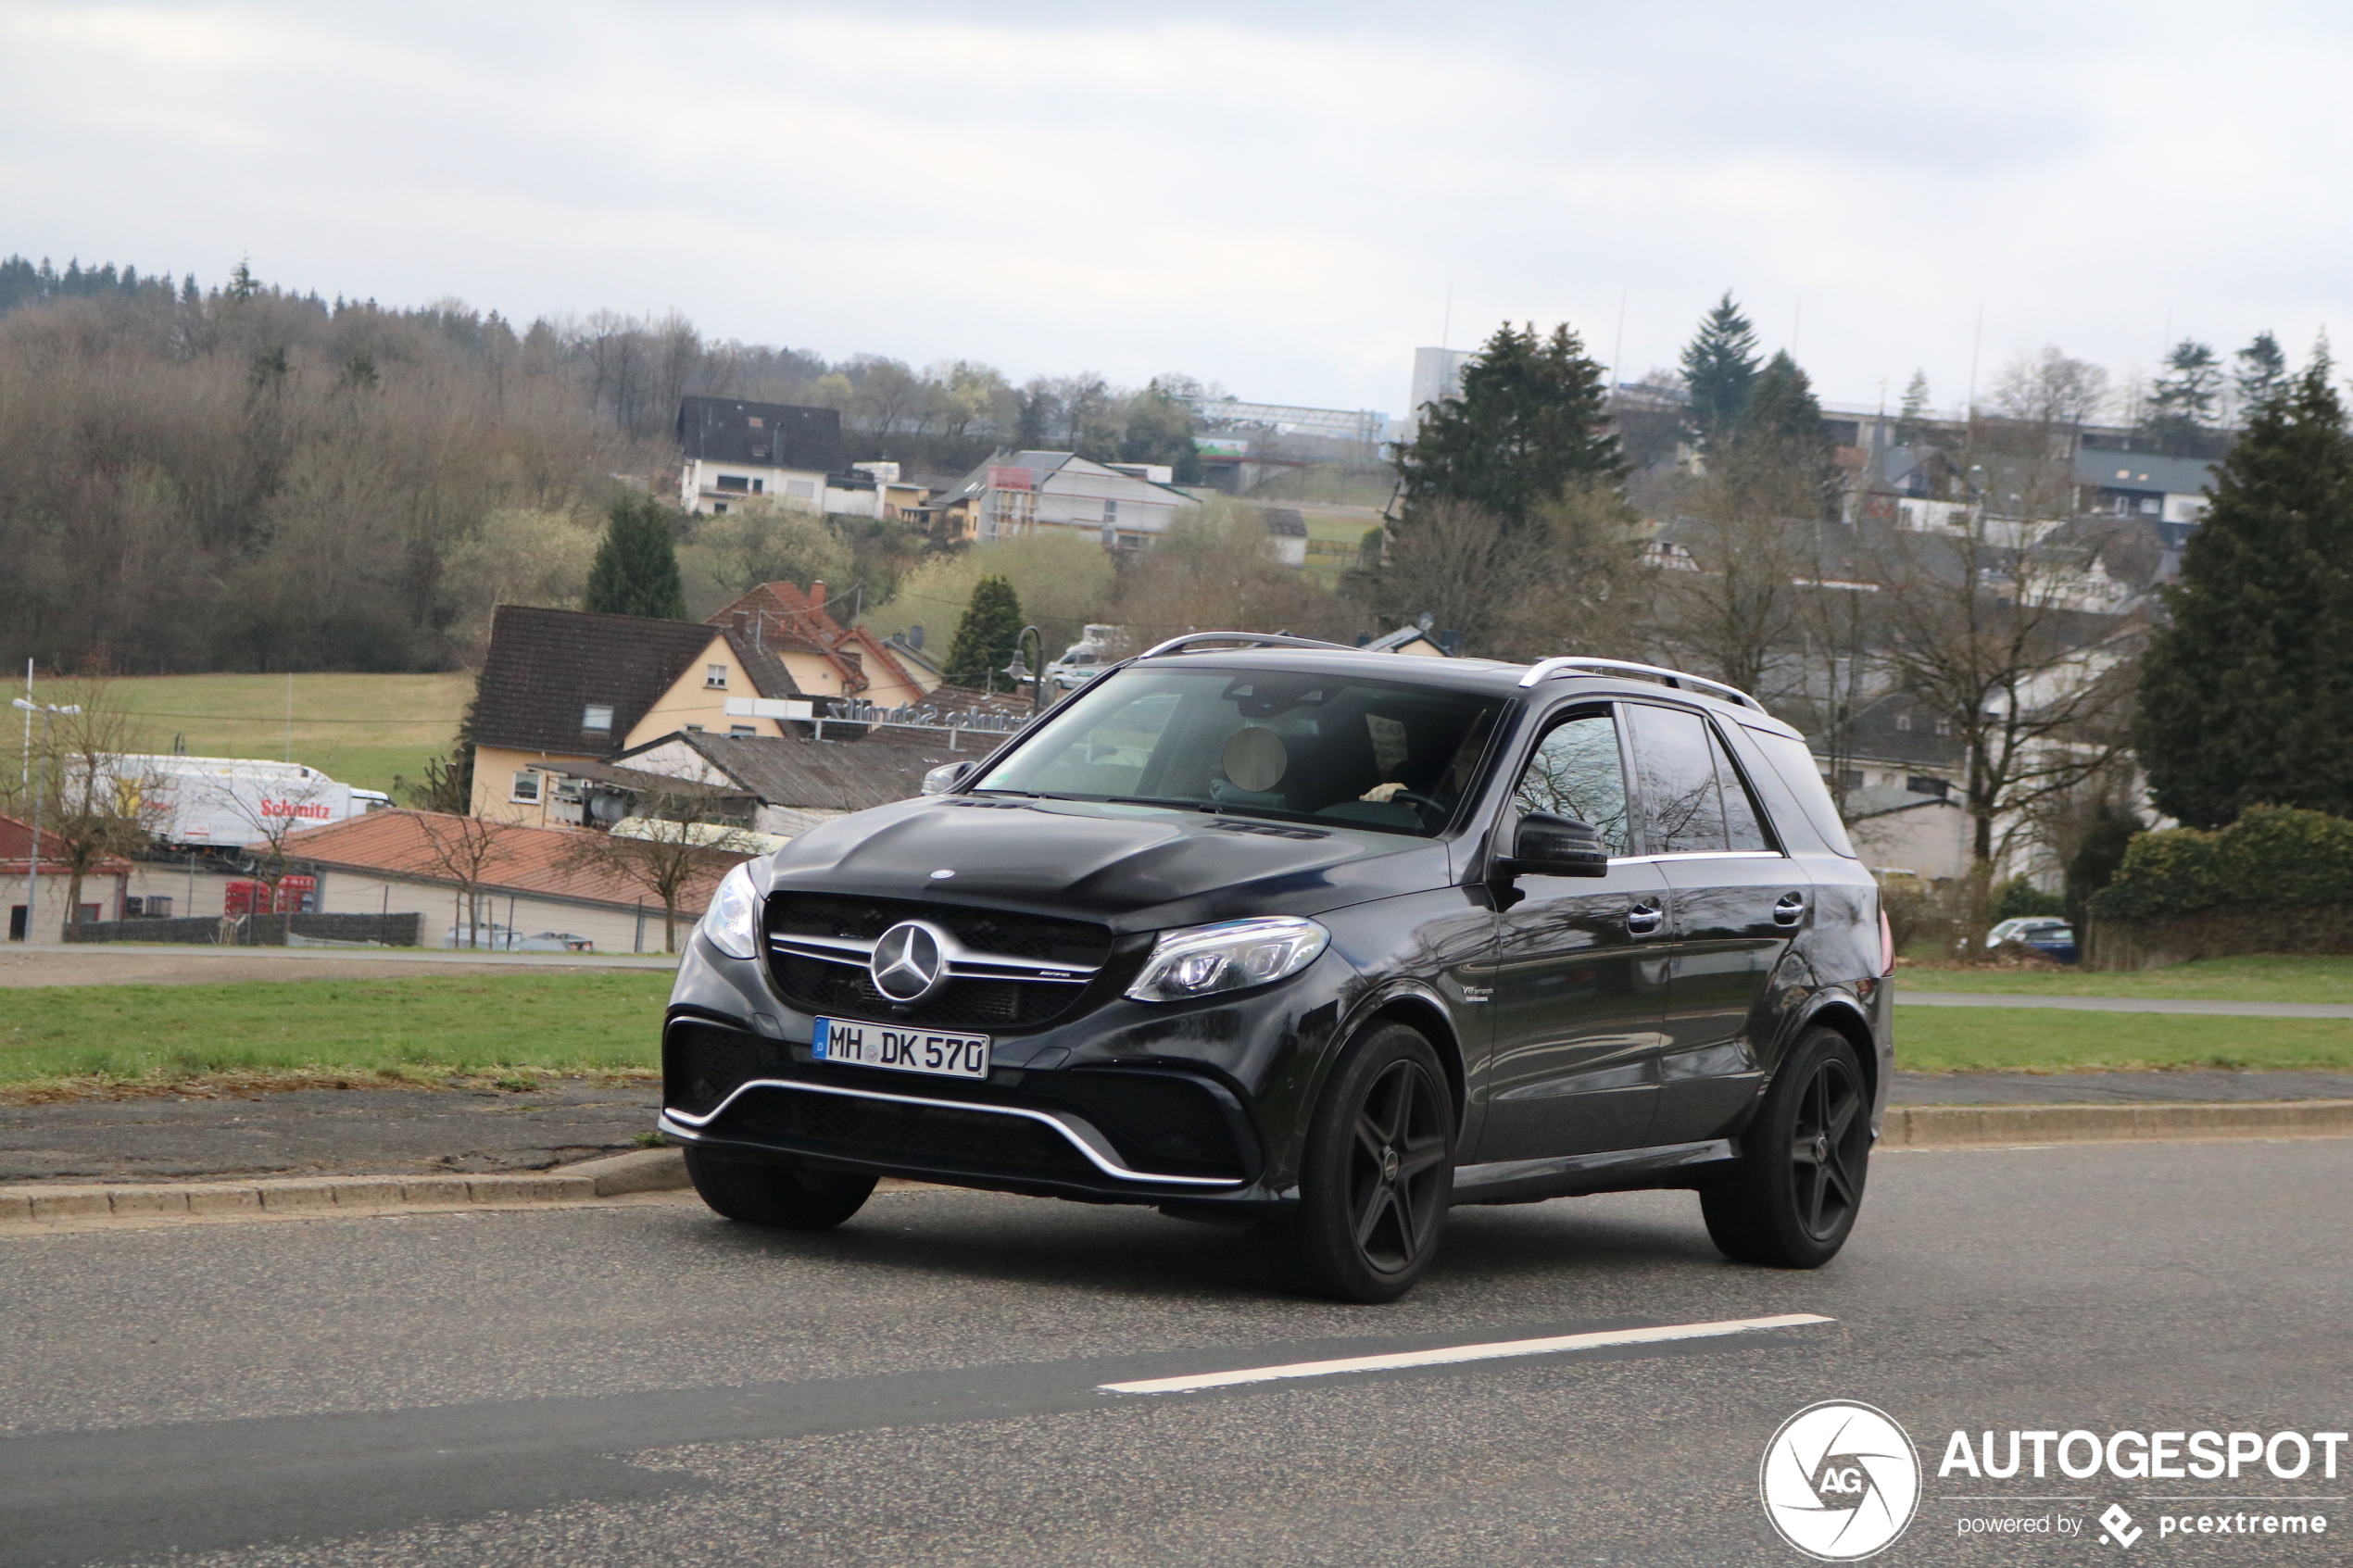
[{"x": 2272, "y": 856}]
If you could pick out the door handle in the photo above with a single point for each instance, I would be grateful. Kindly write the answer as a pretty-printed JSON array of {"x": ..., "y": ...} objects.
[
  {"x": 1788, "y": 909},
  {"x": 1644, "y": 919}
]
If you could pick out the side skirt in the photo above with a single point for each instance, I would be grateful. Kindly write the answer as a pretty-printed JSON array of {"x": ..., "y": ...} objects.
[{"x": 1530, "y": 1181}]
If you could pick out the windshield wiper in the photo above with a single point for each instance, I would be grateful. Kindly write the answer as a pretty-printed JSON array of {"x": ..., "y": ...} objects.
[{"x": 1154, "y": 800}]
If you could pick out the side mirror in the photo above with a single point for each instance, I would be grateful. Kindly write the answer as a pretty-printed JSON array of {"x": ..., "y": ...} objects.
[
  {"x": 945, "y": 777},
  {"x": 1546, "y": 844}
]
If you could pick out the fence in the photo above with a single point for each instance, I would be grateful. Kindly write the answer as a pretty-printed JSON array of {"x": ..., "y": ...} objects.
[{"x": 258, "y": 931}]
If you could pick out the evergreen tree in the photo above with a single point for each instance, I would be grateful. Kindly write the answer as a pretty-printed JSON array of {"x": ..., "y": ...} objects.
[
  {"x": 2182, "y": 404},
  {"x": 1719, "y": 365},
  {"x": 2244, "y": 689},
  {"x": 2263, "y": 372},
  {"x": 636, "y": 571},
  {"x": 1530, "y": 423},
  {"x": 1777, "y": 444},
  {"x": 1910, "y": 419},
  {"x": 986, "y": 635}
]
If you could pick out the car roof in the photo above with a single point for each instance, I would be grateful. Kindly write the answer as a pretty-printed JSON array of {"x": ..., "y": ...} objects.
[{"x": 1494, "y": 677}]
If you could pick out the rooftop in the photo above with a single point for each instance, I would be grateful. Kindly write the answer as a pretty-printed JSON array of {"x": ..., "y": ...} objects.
[{"x": 533, "y": 862}]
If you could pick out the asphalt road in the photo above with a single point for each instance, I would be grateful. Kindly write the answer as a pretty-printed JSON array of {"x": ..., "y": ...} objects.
[{"x": 649, "y": 1384}]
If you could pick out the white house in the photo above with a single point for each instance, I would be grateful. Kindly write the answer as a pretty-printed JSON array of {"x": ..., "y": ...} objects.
[
  {"x": 1125, "y": 505},
  {"x": 732, "y": 452}
]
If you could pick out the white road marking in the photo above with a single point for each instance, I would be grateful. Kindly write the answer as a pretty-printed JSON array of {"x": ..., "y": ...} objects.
[{"x": 1451, "y": 1353}]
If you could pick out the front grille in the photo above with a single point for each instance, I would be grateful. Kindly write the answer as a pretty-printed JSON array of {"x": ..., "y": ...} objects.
[
  {"x": 1080, "y": 943},
  {"x": 817, "y": 985},
  {"x": 923, "y": 1135}
]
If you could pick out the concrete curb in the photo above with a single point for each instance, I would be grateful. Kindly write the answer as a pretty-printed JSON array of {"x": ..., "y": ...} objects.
[
  {"x": 1983, "y": 1126},
  {"x": 32, "y": 1207}
]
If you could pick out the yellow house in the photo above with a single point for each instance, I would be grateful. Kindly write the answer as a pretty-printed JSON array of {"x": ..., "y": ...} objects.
[{"x": 569, "y": 685}]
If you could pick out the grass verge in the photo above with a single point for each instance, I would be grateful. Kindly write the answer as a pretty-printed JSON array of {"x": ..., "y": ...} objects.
[
  {"x": 2262, "y": 978},
  {"x": 2043, "y": 1040},
  {"x": 357, "y": 729},
  {"x": 271, "y": 1032}
]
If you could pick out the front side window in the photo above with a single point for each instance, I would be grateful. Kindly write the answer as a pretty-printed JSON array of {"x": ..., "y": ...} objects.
[
  {"x": 1275, "y": 743},
  {"x": 1576, "y": 773},
  {"x": 597, "y": 715},
  {"x": 526, "y": 788}
]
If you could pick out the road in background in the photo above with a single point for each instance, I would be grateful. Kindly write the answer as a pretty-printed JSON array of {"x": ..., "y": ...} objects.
[{"x": 650, "y": 1384}]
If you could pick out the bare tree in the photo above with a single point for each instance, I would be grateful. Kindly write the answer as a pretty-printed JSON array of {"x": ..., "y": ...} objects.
[
  {"x": 95, "y": 809},
  {"x": 680, "y": 839},
  {"x": 463, "y": 849},
  {"x": 1991, "y": 626},
  {"x": 2052, "y": 390}
]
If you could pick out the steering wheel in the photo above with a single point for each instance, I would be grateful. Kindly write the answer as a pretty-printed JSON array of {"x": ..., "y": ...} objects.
[{"x": 1438, "y": 806}]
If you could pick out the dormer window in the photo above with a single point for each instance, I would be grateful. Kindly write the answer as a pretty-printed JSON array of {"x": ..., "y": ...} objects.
[
  {"x": 1903, "y": 720},
  {"x": 714, "y": 676},
  {"x": 597, "y": 716}
]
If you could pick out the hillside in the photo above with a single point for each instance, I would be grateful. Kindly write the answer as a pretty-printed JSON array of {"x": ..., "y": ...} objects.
[{"x": 358, "y": 729}]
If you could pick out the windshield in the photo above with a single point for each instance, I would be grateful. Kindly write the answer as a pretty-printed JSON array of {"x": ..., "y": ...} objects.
[{"x": 1262, "y": 743}]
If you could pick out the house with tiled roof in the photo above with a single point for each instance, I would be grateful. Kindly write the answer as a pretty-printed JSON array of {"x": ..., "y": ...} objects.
[
  {"x": 102, "y": 884},
  {"x": 824, "y": 657},
  {"x": 459, "y": 873},
  {"x": 568, "y": 684}
]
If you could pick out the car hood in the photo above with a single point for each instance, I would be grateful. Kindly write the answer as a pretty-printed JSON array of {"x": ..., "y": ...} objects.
[{"x": 1134, "y": 867}]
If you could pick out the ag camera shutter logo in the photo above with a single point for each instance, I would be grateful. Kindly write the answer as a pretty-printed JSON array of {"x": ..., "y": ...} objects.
[{"x": 1840, "y": 1481}]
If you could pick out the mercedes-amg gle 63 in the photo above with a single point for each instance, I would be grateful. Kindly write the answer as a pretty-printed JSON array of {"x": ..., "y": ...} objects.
[{"x": 1318, "y": 943}]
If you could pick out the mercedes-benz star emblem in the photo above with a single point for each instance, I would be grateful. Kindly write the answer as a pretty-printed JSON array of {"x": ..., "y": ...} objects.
[{"x": 909, "y": 962}]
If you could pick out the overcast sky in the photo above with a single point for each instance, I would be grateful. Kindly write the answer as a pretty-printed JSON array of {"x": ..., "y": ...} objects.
[{"x": 1277, "y": 197}]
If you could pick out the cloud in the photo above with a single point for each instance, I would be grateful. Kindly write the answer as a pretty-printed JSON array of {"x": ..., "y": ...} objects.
[{"x": 1278, "y": 197}]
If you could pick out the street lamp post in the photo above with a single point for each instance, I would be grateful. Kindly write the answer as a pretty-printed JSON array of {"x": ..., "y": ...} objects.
[
  {"x": 49, "y": 712},
  {"x": 1019, "y": 669}
]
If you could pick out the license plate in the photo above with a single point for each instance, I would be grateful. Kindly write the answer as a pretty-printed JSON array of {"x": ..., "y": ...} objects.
[{"x": 909, "y": 1051}]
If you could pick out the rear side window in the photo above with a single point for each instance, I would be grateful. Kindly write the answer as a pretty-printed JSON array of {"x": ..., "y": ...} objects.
[
  {"x": 1794, "y": 766},
  {"x": 1674, "y": 757}
]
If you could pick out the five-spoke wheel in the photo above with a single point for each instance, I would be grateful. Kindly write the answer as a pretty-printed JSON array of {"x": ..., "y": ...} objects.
[
  {"x": 1378, "y": 1173},
  {"x": 1792, "y": 1200}
]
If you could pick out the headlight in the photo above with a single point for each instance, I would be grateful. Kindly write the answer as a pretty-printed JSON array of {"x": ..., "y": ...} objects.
[
  {"x": 733, "y": 920},
  {"x": 1204, "y": 959}
]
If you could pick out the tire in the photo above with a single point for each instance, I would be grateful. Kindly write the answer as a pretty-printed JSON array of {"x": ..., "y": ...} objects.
[
  {"x": 1792, "y": 1202},
  {"x": 785, "y": 1197},
  {"x": 1378, "y": 1174}
]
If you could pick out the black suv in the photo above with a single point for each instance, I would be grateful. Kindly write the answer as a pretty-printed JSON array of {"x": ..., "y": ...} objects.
[{"x": 1320, "y": 941}]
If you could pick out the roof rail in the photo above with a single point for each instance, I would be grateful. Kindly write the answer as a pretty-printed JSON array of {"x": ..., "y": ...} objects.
[
  {"x": 1544, "y": 670},
  {"x": 1252, "y": 639}
]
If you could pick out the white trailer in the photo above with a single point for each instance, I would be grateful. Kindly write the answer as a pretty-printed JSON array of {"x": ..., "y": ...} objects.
[{"x": 232, "y": 802}]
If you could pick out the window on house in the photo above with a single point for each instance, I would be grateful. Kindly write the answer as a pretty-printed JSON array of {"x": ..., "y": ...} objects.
[
  {"x": 715, "y": 675},
  {"x": 719, "y": 507},
  {"x": 1944, "y": 726},
  {"x": 759, "y": 486},
  {"x": 755, "y": 422},
  {"x": 597, "y": 715},
  {"x": 1903, "y": 720},
  {"x": 1111, "y": 511},
  {"x": 695, "y": 729},
  {"x": 526, "y": 789},
  {"x": 800, "y": 489},
  {"x": 733, "y": 482},
  {"x": 742, "y": 730},
  {"x": 1920, "y": 784},
  {"x": 1850, "y": 778}
]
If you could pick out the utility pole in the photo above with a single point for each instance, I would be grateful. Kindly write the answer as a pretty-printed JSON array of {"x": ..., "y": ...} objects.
[{"x": 48, "y": 712}]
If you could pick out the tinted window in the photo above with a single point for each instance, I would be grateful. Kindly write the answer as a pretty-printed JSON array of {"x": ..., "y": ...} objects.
[
  {"x": 1278, "y": 743},
  {"x": 1682, "y": 809},
  {"x": 1801, "y": 778},
  {"x": 1744, "y": 823},
  {"x": 1575, "y": 772}
]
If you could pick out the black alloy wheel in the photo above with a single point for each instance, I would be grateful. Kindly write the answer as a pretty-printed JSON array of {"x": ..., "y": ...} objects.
[
  {"x": 785, "y": 1197},
  {"x": 1792, "y": 1200},
  {"x": 1377, "y": 1175}
]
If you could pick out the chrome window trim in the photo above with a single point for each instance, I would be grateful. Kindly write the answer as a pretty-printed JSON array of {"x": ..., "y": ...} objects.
[
  {"x": 1700, "y": 855},
  {"x": 1080, "y": 1134}
]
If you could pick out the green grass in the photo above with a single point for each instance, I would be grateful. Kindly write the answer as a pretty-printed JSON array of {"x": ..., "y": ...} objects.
[
  {"x": 357, "y": 729},
  {"x": 150, "y": 1034},
  {"x": 2267, "y": 978},
  {"x": 2049, "y": 1040}
]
